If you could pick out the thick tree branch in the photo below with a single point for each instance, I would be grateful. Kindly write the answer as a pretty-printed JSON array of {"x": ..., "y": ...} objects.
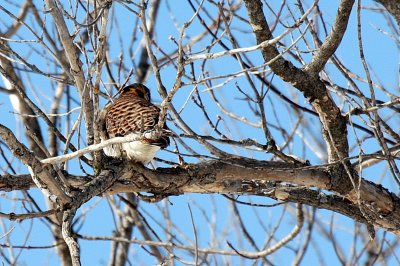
[
  {"x": 75, "y": 68},
  {"x": 374, "y": 203},
  {"x": 46, "y": 176},
  {"x": 19, "y": 104},
  {"x": 37, "y": 110},
  {"x": 73, "y": 246},
  {"x": 17, "y": 23},
  {"x": 332, "y": 42},
  {"x": 334, "y": 124},
  {"x": 143, "y": 64}
]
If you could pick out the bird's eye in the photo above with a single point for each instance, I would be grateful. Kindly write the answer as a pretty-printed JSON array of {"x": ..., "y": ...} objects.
[{"x": 140, "y": 93}]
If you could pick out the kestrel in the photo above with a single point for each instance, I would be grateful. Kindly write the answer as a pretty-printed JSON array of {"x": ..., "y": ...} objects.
[{"x": 133, "y": 113}]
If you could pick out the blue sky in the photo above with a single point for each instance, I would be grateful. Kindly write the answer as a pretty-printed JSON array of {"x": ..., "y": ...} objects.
[{"x": 381, "y": 53}]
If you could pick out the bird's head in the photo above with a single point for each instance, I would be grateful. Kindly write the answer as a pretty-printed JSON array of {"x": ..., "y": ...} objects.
[{"x": 138, "y": 90}]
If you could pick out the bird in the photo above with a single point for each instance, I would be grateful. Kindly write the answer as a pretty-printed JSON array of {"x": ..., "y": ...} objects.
[{"x": 133, "y": 113}]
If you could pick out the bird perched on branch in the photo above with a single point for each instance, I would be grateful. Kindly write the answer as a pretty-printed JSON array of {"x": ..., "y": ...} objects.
[{"x": 133, "y": 114}]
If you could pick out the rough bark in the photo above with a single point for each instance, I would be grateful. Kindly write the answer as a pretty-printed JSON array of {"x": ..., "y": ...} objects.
[{"x": 377, "y": 206}]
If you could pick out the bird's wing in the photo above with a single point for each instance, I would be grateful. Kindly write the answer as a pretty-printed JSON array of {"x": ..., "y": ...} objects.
[{"x": 131, "y": 116}]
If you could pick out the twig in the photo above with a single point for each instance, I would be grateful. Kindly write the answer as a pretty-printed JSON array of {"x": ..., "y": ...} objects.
[
  {"x": 296, "y": 230},
  {"x": 96, "y": 147},
  {"x": 19, "y": 217},
  {"x": 196, "y": 244}
]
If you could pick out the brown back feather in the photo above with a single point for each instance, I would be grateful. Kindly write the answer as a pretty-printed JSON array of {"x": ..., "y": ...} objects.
[{"x": 133, "y": 115}]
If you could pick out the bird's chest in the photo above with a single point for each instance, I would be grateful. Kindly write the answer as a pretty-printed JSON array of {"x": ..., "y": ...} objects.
[
  {"x": 140, "y": 151},
  {"x": 136, "y": 151}
]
